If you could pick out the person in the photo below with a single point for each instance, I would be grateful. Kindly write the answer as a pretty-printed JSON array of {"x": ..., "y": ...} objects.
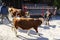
[
  {"x": 48, "y": 16},
  {"x": 4, "y": 12},
  {"x": 0, "y": 8},
  {"x": 55, "y": 9}
]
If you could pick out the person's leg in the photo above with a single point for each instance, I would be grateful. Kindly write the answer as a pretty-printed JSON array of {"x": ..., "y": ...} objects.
[
  {"x": 2, "y": 17},
  {"x": 7, "y": 18},
  {"x": 47, "y": 23},
  {"x": 0, "y": 14}
]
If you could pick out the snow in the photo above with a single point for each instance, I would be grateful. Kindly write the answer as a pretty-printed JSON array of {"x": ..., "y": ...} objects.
[{"x": 51, "y": 32}]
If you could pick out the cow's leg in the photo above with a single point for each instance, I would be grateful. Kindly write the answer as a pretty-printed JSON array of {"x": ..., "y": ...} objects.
[
  {"x": 36, "y": 30},
  {"x": 15, "y": 32},
  {"x": 13, "y": 28},
  {"x": 28, "y": 32}
]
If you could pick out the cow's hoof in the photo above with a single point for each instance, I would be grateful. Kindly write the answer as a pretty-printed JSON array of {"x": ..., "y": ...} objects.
[
  {"x": 17, "y": 35},
  {"x": 38, "y": 34},
  {"x": 27, "y": 34}
]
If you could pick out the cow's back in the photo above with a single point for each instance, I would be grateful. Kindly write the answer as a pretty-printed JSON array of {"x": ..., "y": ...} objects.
[{"x": 26, "y": 23}]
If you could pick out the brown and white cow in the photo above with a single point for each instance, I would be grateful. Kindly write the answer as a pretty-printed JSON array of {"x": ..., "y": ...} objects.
[
  {"x": 16, "y": 12},
  {"x": 27, "y": 23}
]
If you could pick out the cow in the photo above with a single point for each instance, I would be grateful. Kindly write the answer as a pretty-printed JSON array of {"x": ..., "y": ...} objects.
[
  {"x": 27, "y": 23},
  {"x": 16, "y": 12}
]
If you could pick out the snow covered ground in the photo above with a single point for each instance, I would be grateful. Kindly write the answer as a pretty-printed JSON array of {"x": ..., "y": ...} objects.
[{"x": 51, "y": 32}]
